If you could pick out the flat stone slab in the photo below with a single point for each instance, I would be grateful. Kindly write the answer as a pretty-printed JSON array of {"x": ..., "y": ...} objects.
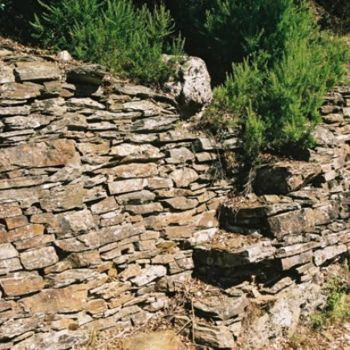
[
  {"x": 37, "y": 71},
  {"x": 165, "y": 340},
  {"x": 284, "y": 177},
  {"x": 250, "y": 254}
]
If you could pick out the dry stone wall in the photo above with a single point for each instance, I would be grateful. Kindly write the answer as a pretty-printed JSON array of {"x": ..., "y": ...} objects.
[
  {"x": 106, "y": 195},
  {"x": 101, "y": 187}
]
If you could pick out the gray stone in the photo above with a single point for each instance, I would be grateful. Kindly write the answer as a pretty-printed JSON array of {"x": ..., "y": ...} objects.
[
  {"x": 7, "y": 251},
  {"x": 86, "y": 74},
  {"x": 217, "y": 337},
  {"x": 61, "y": 340},
  {"x": 37, "y": 71},
  {"x": 193, "y": 88},
  {"x": 184, "y": 177},
  {"x": 149, "y": 274},
  {"x": 39, "y": 258},
  {"x": 6, "y": 74},
  {"x": 126, "y": 186},
  {"x": 222, "y": 307}
]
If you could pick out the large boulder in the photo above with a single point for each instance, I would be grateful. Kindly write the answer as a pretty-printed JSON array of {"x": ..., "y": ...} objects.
[{"x": 192, "y": 85}]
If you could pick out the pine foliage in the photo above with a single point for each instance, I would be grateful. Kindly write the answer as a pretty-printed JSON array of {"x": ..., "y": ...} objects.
[
  {"x": 127, "y": 39},
  {"x": 276, "y": 92}
]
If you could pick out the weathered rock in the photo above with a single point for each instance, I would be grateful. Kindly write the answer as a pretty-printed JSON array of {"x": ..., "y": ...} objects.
[
  {"x": 181, "y": 203},
  {"x": 254, "y": 253},
  {"x": 154, "y": 341},
  {"x": 69, "y": 299},
  {"x": 222, "y": 309},
  {"x": 6, "y": 74},
  {"x": 21, "y": 233},
  {"x": 61, "y": 340},
  {"x": 86, "y": 74},
  {"x": 21, "y": 283},
  {"x": 149, "y": 274},
  {"x": 75, "y": 222},
  {"x": 184, "y": 177},
  {"x": 36, "y": 71},
  {"x": 13, "y": 328},
  {"x": 43, "y": 154},
  {"x": 15, "y": 91},
  {"x": 125, "y": 186},
  {"x": 321, "y": 256},
  {"x": 193, "y": 89},
  {"x": 284, "y": 177},
  {"x": 39, "y": 258},
  {"x": 217, "y": 337}
]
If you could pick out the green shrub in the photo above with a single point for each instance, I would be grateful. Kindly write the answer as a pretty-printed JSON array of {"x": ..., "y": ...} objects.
[
  {"x": 128, "y": 40},
  {"x": 337, "y": 306},
  {"x": 278, "y": 89}
]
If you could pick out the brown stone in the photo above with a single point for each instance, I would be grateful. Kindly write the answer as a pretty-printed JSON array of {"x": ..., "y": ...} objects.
[
  {"x": 10, "y": 265},
  {"x": 163, "y": 220},
  {"x": 16, "y": 327},
  {"x": 21, "y": 283},
  {"x": 70, "y": 197},
  {"x": 144, "y": 208},
  {"x": 128, "y": 171},
  {"x": 39, "y": 258},
  {"x": 285, "y": 177},
  {"x": 7, "y": 251},
  {"x": 104, "y": 206},
  {"x": 226, "y": 308},
  {"x": 184, "y": 177},
  {"x": 69, "y": 299},
  {"x": 75, "y": 222},
  {"x": 85, "y": 259},
  {"x": 15, "y": 91},
  {"x": 181, "y": 203},
  {"x": 6, "y": 74},
  {"x": 34, "y": 242},
  {"x": 37, "y": 71},
  {"x": 130, "y": 152},
  {"x": 328, "y": 253},
  {"x": 16, "y": 221},
  {"x": 293, "y": 222},
  {"x": 303, "y": 258},
  {"x": 126, "y": 186},
  {"x": 37, "y": 155},
  {"x": 22, "y": 233},
  {"x": 9, "y": 210},
  {"x": 180, "y": 155},
  {"x": 163, "y": 340}
]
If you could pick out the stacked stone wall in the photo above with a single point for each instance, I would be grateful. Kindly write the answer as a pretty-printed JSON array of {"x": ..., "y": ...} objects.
[{"x": 105, "y": 193}]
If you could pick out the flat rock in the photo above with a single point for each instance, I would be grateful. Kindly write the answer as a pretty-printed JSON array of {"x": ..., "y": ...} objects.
[
  {"x": 21, "y": 283},
  {"x": 220, "y": 307},
  {"x": 126, "y": 186},
  {"x": 92, "y": 74},
  {"x": 61, "y": 340},
  {"x": 68, "y": 299},
  {"x": 42, "y": 154},
  {"x": 217, "y": 337},
  {"x": 184, "y": 177},
  {"x": 163, "y": 340},
  {"x": 39, "y": 258},
  {"x": 6, "y": 74},
  {"x": 284, "y": 177},
  {"x": 37, "y": 71},
  {"x": 15, "y": 91}
]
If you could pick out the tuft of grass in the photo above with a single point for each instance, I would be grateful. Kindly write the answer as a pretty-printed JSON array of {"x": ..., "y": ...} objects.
[{"x": 337, "y": 307}]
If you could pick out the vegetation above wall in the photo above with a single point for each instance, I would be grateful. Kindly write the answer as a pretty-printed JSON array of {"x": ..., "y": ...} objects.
[{"x": 268, "y": 59}]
